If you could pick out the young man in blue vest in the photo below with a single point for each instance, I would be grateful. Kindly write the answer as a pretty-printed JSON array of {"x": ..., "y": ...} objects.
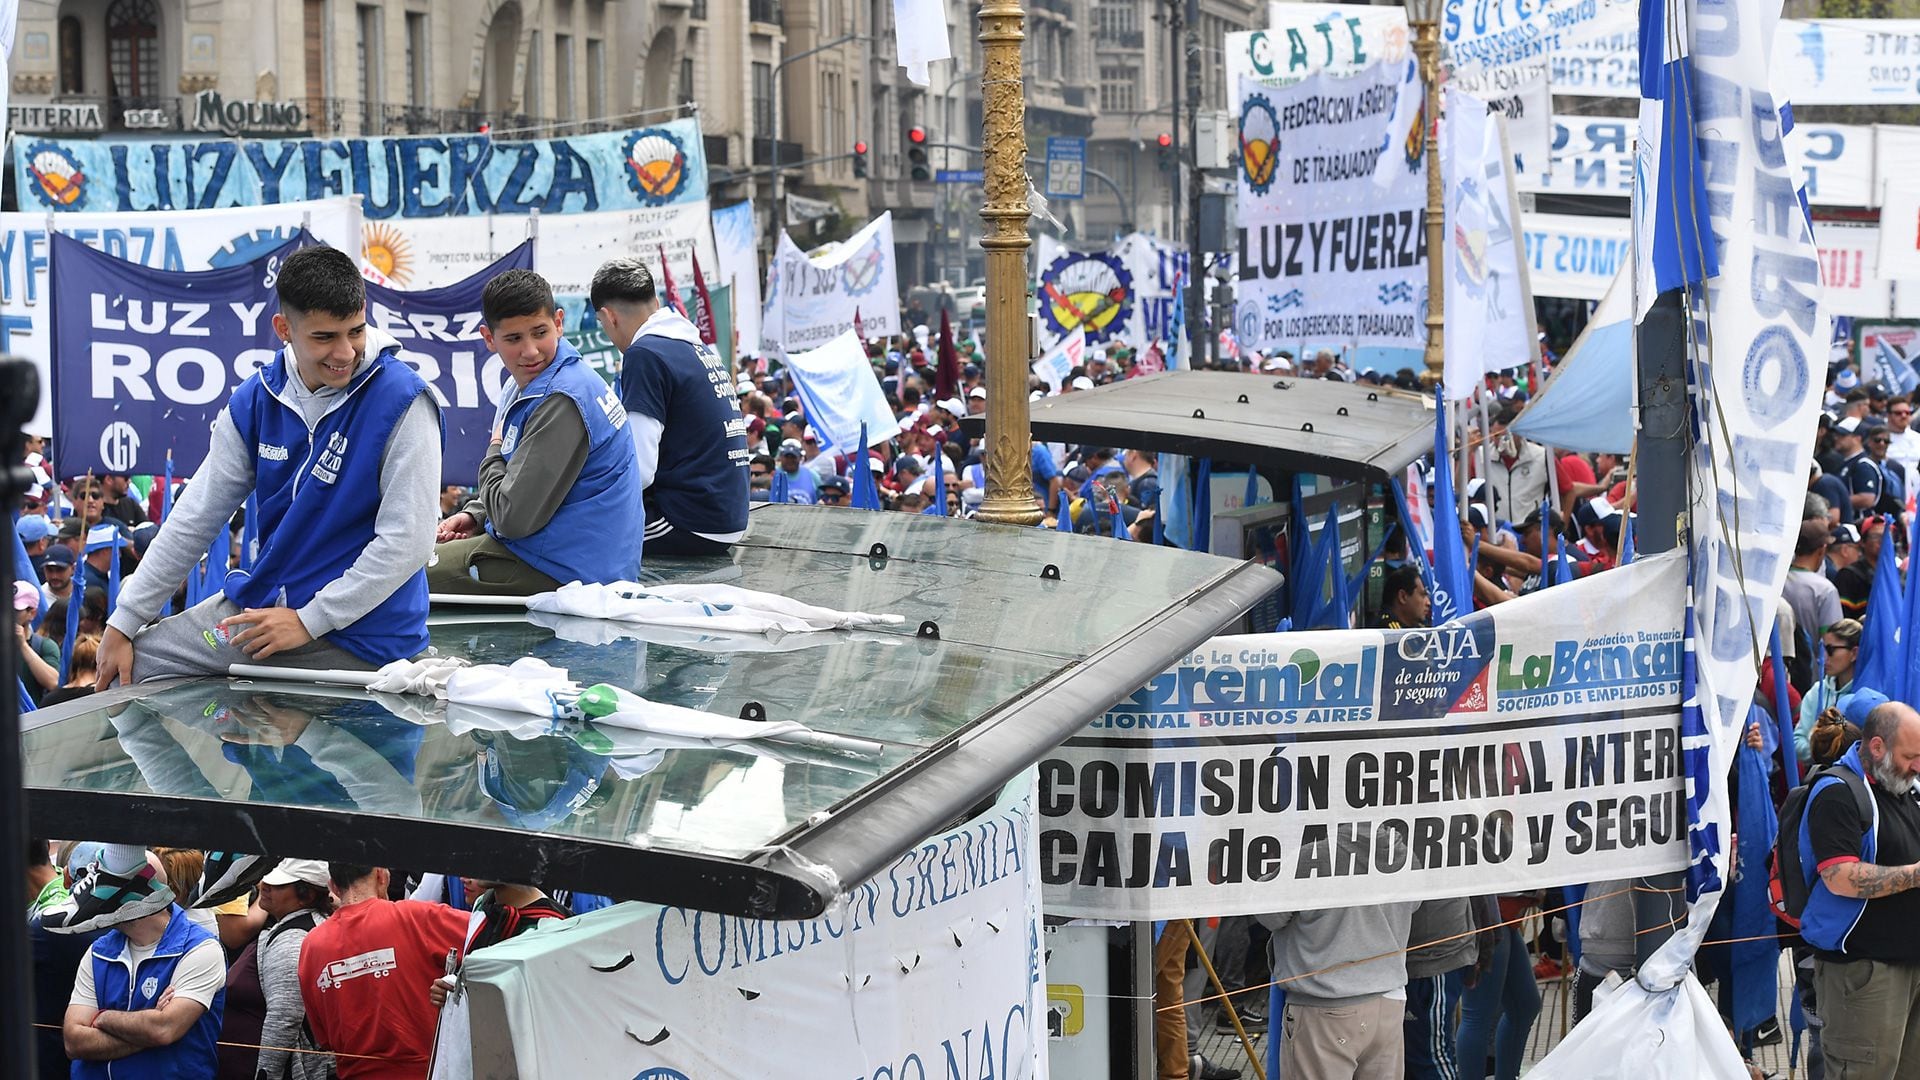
[
  {"x": 559, "y": 492},
  {"x": 688, "y": 434},
  {"x": 338, "y": 443},
  {"x": 147, "y": 1000}
]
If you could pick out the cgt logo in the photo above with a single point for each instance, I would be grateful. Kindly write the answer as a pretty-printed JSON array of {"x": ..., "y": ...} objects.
[
  {"x": 656, "y": 165},
  {"x": 1087, "y": 290}
]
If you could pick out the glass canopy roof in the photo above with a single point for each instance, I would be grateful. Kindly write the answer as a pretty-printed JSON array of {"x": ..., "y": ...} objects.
[{"x": 1002, "y": 625}]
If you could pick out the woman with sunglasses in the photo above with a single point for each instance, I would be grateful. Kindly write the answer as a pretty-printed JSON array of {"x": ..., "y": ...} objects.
[{"x": 1841, "y": 643}]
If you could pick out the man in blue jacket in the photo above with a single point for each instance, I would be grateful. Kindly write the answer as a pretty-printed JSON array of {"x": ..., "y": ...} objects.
[
  {"x": 688, "y": 434},
  {"x": 559, "y": 492},
  {"x": 338, "y": 443},
  {"x": 147, "y": 1000}
]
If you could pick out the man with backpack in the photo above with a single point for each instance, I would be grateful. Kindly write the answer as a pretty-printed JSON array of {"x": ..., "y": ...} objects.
[{"x": 1858, "y": 853}]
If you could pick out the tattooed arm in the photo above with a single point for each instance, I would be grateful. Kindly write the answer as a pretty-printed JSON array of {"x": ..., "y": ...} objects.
[{"x": 1866, "y": 881}]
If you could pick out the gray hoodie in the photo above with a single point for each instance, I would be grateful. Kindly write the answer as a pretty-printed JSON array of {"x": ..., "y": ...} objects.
[
  {"x": 1442, "y": 938},
  {"x": 1607, "y": 929},
  {"x": 1363, "y": 946}
]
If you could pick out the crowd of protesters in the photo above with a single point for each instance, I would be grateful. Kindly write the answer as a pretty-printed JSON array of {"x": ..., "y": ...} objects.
[{"x": 170, "y": 963}]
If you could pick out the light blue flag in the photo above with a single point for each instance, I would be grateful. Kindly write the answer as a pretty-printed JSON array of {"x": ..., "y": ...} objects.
[{"x": 1674, "y": 243}]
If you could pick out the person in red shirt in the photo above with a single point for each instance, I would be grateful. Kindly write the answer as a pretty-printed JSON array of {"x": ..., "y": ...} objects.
[{"x": 365, "y": 974}]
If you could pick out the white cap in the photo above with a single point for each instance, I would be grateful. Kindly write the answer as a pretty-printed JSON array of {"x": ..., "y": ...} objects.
[
  {"x": 977, "y": 392},
  {"x": 952, "y": 405},
  {"x": 1081, "y": 382},
  {"x": 1849, "y": 424},
  {"x": 290, "y": 871}
]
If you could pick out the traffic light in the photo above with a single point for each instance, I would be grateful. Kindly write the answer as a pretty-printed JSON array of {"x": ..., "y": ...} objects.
[
  {"x": 917, "y": 153},
  {"x": 859, "y": 160},
  {"x": 1165, "y": 151}
]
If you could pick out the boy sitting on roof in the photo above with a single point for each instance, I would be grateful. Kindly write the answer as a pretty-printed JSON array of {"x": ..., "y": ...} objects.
[
  {"x": 559, "y": 492},
  {"x": 339, "y": 446}
]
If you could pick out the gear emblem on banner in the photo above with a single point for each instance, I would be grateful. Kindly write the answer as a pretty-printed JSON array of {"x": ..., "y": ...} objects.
[
  {"x": 656, "y": 165},
  {"x": 861, "y": 272},
  {"x": 1090, "y": 290},
  {"x": 1259, "y": 143},
  {"x": 58, "y": 180}
]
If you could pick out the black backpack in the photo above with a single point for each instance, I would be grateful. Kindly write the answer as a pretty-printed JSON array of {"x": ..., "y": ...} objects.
[{"x": 1788, "y": 887}]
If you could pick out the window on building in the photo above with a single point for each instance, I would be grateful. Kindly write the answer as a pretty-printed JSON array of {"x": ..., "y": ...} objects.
[
  {"x": 417, "y": 92},
  {"x": 133, "y": 49},
  {"x": 686, "y": 79},
  {"x": 366, "y": 61},
  {"x": 73, "y": 52},
  {"x": 764, "y": 11},
  {"x": 563, "y": 88},
  {"x": 1119, "y": 90},
  {"x": 596, "y": 78},
  {"x": 1117, "y": 22},
  {"x": 762, "y": 100},
  {"x": 699, "y": 10}
]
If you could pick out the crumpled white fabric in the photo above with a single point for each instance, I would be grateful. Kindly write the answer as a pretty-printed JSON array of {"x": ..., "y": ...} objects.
[
  {"x": 604, "y": 632},
  {"x": 528, "y": 685},
  {"x": 1637, "y": 1034},
  {"x": 424, "y": 676},
  {"x": 701, "y": 606}
]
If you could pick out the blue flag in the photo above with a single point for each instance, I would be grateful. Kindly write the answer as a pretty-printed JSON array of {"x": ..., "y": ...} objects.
[
  {"x": 1064, "y": 521},
  {"x": 1880, "y": 666},
  {"x": 1177, "y": 327},
  {"x": 865, "y": 495},
  {"x": 1452, "y": 586},
  {"x": 1756, "y": 949},
  {"x": 1783, "y": 713},
  {"x": 1911, "y": 623},
  {"x": 1674, "y": 243},
  {"x": 1415, "y": 551},
  {"x": 1201, "y": 538}
]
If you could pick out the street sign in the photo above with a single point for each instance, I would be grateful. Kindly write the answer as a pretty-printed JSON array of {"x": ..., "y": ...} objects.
[
  {"x": 959, "y": 176},
  {"x": 1066, "y": 167}
]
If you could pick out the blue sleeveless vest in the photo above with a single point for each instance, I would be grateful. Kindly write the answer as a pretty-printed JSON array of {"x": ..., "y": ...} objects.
[
  {"x": 1829, "y": 918},
  {"x": 318, "y": 493},
  {"x": 114, "y": 987},
  {"x": 595, "y": 534}
]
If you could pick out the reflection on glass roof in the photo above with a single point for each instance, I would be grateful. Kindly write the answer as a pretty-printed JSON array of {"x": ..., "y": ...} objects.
[{"x": 1002, "y": 622}]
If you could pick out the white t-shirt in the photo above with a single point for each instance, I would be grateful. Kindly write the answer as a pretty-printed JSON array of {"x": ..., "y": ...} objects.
[{"x": 199, "y": 975}]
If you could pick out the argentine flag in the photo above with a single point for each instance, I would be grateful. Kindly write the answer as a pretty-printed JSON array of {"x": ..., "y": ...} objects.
[{"x": 1673, "y": 243}]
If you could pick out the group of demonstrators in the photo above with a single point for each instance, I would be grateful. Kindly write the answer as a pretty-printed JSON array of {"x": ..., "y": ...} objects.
[{"x": 321, "y": 518}]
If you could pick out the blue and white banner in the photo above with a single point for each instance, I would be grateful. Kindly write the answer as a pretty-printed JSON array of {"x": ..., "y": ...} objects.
[
  {"x": 812, "y": 300},
  {"x": 144, "y": 359},
  {"x": 1574, "y": 256},
  {"x": 1122, "y": 295},
  {"x": 1848, "y": 61},
  {"x": 1307, "y": 39},
  {"x": 1489, "y": 316},
  {"x": 841, "y": 396},
  {"x": 1536, "y": 742},
  {"x": 176, "y": 240},
  {"x": 736, "y": 243},
  {"x": 439, "y": 334},
  {"x": 931, "y": 968},
  {"x": 1485, "y": 35},
  {"x": 1328, "y": 254},
  {"x": 407, "y": 177},
  {"x": 1594, "y": 156}
]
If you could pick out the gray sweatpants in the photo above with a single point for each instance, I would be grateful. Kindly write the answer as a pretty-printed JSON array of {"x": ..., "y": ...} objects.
[{"x": 191, "y": 643}]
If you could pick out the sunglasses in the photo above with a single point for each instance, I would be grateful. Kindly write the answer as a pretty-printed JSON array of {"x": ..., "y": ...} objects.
[
  {"x": 1831, "y": 648},
  {"x": 758, "y": 473},
  {"x": 1901, "y": 412}
]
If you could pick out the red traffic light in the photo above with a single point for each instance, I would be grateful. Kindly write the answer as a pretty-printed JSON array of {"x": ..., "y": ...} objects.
[
  {"x": 860, "y": 148},
  {"x": 1165, "y": 140},
  {"x": 916, "y": 134}
]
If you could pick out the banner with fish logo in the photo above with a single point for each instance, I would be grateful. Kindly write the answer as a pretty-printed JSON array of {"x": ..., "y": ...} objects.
[{"x": 812, "y": 299}]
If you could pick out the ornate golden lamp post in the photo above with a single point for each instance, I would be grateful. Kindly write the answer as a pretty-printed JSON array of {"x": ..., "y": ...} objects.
[
  {"x": 1424, "y": 18},
  {"x": 1009, "y": 498}
]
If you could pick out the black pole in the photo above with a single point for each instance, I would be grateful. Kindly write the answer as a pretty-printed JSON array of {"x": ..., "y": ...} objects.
[
  {"x": 19, "y": 397},
  {"x": 1175, "y": 23},
  {"x": 1660, "y": 492},
  {"x": 1197, "y": 335}
]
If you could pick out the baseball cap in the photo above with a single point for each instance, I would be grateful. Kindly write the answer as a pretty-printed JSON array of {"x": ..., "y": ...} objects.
[
  {"x": 790, "y": 446},
  {"x": 103, "y": 536},
  {"x": 952, "y": 405},
  {"x": 1081, "y": 382},
  {"x": 60, "y": 555},
  {"x": 1478, "y": 515},
  {"x": 1849, "y": 424},
  {"x": 142, "y": 536},
  {"x": 291, "y": 871},
  {"x": 744, "y": 386},
  {"x": 1846, "y": 380},
  {"x": 833, "y": 483},
  {"x": 1860, "y": 703},
  {"x": 977, "y": 392},
  {"x": 1844, "y": 534},
  {"x": 33, "y": 528},
  {"x": 25, "y": 595}
]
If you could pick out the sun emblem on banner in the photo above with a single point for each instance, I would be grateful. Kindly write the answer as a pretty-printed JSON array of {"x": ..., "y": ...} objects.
[
  {"x": 57, "y": 178},
  {"x": 1089, "y": 290},
  {"x": 1259, "y": 143},
  {"x": 861, "y": 272},
  {"x": 386, "y": 252},
  {"x": 656, "y": 165}
]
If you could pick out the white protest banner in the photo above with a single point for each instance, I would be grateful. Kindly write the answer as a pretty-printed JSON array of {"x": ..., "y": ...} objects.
[
  {"x": 1058, "y": 362},
  {"x": 1606, "y": 65},
  {"x": 1479, "y": 35},
  {"x": 1528, "y": 108},
  {"x": 818, "y": 298},
  {"x": 839, "y": 391},
  {"x": 1850, "y": 269},
  {"x": 1535, "y": 742},
  {"x": 1836, "y": 162},
  {"x": 734, "y": 242},
  {"x": 931, "y": 968},
  {"x": 1487, "y": 328},
  {"x": 1848, "y": 61},
  {"x": 431, "y": 253},
  {"x": 1118, "y": 295},
  {"x": 1574, "y": 256},
  {"x": 1594, "y": 156},
  {"x": 1305, "y": 39},
  {"x": 1897, "y": 151},
  {"x": 1327, "y": 254},
  {"x": 165, "y": 239}
]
